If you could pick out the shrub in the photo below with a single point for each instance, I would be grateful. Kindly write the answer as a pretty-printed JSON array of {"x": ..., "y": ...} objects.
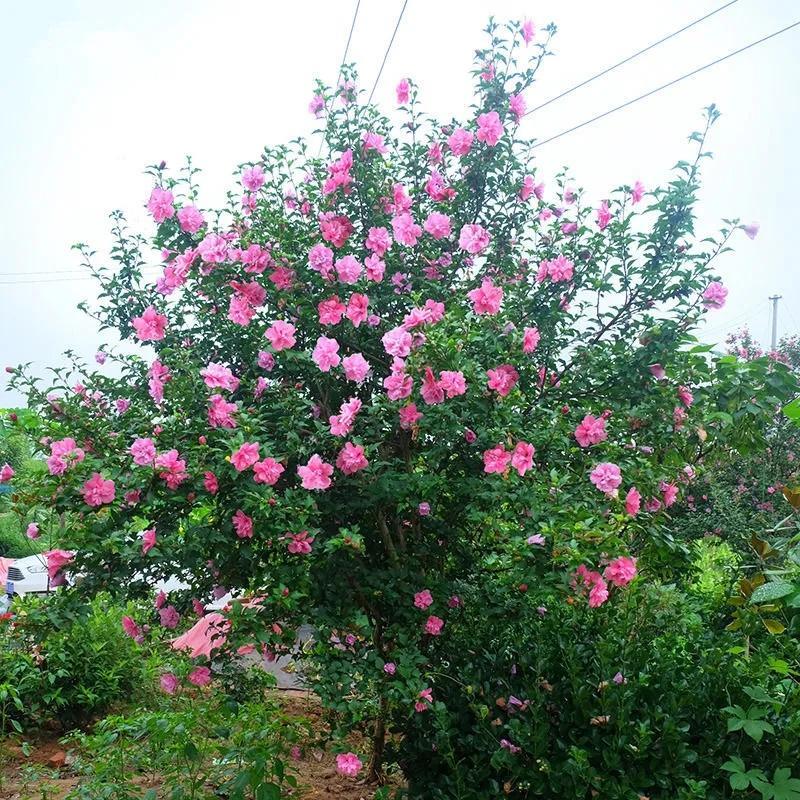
[
  {"x": 380, "y": 377},
  {"x": 70, "y": 672}
]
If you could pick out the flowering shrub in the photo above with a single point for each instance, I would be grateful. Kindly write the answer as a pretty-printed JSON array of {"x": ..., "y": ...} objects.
[{"x": 381, "y": 375}]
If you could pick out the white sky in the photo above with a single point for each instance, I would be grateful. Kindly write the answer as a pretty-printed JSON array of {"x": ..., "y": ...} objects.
[{"x": 92, "y": 91}]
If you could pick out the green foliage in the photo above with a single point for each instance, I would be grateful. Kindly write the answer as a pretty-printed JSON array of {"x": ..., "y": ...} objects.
[
  {"x": 196, "y": 747},
  {"x": 73, "y": 670}
]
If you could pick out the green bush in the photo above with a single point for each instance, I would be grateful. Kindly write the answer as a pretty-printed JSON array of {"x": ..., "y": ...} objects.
[
  {"x": 72, "y": 672},
  {"x": 637, "y": 699}
]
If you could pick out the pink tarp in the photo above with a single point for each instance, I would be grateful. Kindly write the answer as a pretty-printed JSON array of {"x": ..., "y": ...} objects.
[{"x": 5, "y": 563}]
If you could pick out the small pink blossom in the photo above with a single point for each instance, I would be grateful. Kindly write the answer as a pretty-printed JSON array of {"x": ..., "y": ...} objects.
[
  {"x": 351, "y": 459},
  {"x": 637, "y": 193},
  {"x": 502, "y": 379},
  {"x": 267, "y": 471},
  {"x": 437, "y": 225},
  {"x": 486, "y": 299},
  {"x": 169, "y": 617},
  {"x": 714, "y": 295},
  {"x": 348, "y": 764},
  {"x": 517, "y": 106},
  {"x": 474, "y": 239},
  {"x": 281, "y": 335},
  {"x": 253, "y": 178},
  {"x": 460, "y": 141},
  {"x": 148, "y": 540},
  {"x": 160, "y": 204},
  {"x": 633, "y": 502},
  {"x": 245, "y": 456},
  {"x": 326, "y": 354},
  {"x": 357, "y": 307},
  {"x": 218, "y": 376},
  {"x": 397, "y": 342},
  {"x": 356, "y": 367},
  {"x": 496, "y": 460},
  {"x": 606, "y": 477},
  {"x": 423, "y": 599},
  {"x": 98, "y": 491},
  {"x": 316, "y": 474},
  {"x": 32, "y": 531},
  {"x": 751, "y": 230},
  {"x": 402, "y": 91},
  {"x": 169, "y": 683},
  {"x": 434, "y": 625},
  {"x": 150, "y": 326},
  {"x": 348, "y": 269},
  {"x": 200, "y": 676},
  {"x": 592, "y": 430},
  {"x": 530, "y": 340},
  {"x": 409, "y": 416},
  {"x": 190, "y": 219},
  {"x": 490, "y": 128},
  {"x": 406, "y": 231},
  {"x": 528, "y": 31},
  {"x": 604, "y": 215},
  {"x": 242, "y": 524},
  {"x": 522, "y": 457},
  {"x": 621, "y": 571},
  {"x": 210, "y": 483}
]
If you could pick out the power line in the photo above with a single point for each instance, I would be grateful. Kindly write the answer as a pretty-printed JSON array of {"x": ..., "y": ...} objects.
[
  {"x": 386, "y": 54},
  {"x": 631, "y": 58},
  {"x": 666, "y": 85}
]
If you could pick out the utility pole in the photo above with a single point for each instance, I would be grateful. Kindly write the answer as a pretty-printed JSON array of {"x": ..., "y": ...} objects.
[{"x": 774, "y": 299}]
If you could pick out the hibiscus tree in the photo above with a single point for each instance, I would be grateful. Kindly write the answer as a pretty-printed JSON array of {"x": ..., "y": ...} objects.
[{"x": 381, "y": 373}]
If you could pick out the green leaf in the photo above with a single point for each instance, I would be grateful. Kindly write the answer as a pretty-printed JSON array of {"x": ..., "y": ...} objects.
[
  {"x": 774, "y": 626},
  {"x": 771, "y": 591}
]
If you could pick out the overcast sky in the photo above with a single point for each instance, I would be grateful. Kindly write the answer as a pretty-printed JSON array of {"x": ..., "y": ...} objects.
[{"x": 92, "y": 91}]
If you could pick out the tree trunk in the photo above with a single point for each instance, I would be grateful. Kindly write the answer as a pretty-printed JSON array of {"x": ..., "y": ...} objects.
[{"x": 375, "y": 767}]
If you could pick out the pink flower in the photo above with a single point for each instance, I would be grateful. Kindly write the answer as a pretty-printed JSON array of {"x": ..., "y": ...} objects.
[
  {"x": 487, "y": 298},
  {"x": 373, "y": 141},
  {"x": 160, "y": 204},
  {"x": 637, "y": 193},
  {"x": 243, "y": 525},
  {"x": 356, "y": 367},
  {"x": 714, "y": 295},
  {"x": 423, "y": 599},
  {"x": 150, "y": 326},
  {"x": 517, "y": 106},
  {"x": 32, "y": 531},
  {"x": 267, "y": 471},
  {"x": 424, "y": 509},
  {"x": 530, "y": 340},
  {"x": 190, "y": 219},
  {"x": 375, "y": 268},
  {"x": 148, "y": 541},
  {"x": 316, "y": 105},
  {"x": 751, "y": 230},
  {"x": 172, "y": 468},
  {"x": 669, "y": 491},
  {"x": 490, "y": 128},
  {"x": 335, "y": 229},
  {"x": 351, "y": 459},
  {"x": 143, "y": 452},
  {"x": 406, "y": 231},
  {"x": 474, "y": 239},
  {"x": 220, "y": 411},
  {"x": 503, "y": 379},
  {"x": 390, "y": 668},
  {"x": 245, "y": 456},
  {"x": 653, "y": 505},
  {"x": 397, "y": 342},
  {"x": 409, "y": 416},
  {"x": 425, "y": 700},
  {"x": 536, "y": 540},
  {"x": 452, "y": 383},
  {"x": 200, "y": 676},
  {"x": 434, "y": 625},
  {"x": 348, "y": 269},
  {"x": 98, "y": 491},
  {"x": 378, "y": 241},
  {"x": 316, "y": 474},
  {"x": 598, "y": 594},
  {"x": 496, "y": 460},
  {"x": 560, "y": 269},
  {"x": 342, "y": 423},
  {"x": 437, "y": 225},
  {"x": 685, "y": 395},
  {"x": 348, "y": 764},
  {"x": 168, "y": 683},
  {"x": 657, "y": 371},
  {"x": 320, "y": 259},
  {"x": 522, "y": 457},
  {"x": 169, "y": 617},
  {"x": 331, "y": 310},
  {"x": 460, "y": 141},
  {"x": 253, "y": 178},
  {"x": 218, "y": 376},
  {"x": 130, "y": 627},
  {"x": 299, "y": 543},
  {"x": 621, "y": 571},
  {"x": 402, "y": 90},
  {"x": 432, "y": 393},
  {"x": 281, "y": 335},
  {"x": 604, "y": 216},
  {"x": 56, "y": 561},
  {"x": 326, "y": 354},
  {"x": 357, "y": 308},
  {"x": 592, "y": 430},
  {"x": 210, "y": 483},
  {"x": 528, "y": 31},
  {"x": 6, "y": 473},
  {"x": 633, "y": 502},
  {"x": 606, "y": 477}
]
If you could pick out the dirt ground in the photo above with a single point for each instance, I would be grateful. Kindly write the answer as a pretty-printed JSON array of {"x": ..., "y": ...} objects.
[{"x": 46, "y": 772}]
